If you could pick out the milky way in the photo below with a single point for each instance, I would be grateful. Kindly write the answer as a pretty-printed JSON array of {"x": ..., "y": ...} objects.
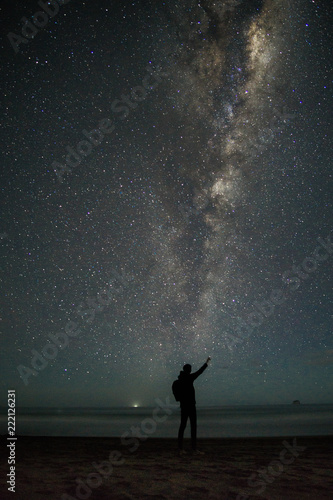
[
  {"x": 172, "y": 230},
  {"x": 247, "y": 69}
]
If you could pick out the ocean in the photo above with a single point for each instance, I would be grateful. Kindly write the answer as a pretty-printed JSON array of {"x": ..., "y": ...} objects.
[{"x": 222, "y": 422}]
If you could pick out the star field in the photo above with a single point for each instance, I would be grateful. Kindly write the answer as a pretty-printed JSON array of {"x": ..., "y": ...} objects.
[{"x": 159, "y": 239}]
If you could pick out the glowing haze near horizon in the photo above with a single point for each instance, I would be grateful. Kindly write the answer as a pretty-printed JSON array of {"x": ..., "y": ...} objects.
[{"x": 191, "y": 210}]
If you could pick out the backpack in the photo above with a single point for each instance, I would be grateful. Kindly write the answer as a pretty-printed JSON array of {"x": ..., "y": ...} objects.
[{"x": 177, "y": 389}]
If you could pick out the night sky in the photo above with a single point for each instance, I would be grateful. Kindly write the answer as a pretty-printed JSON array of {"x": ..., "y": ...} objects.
[{"x": 193, "y": 214}]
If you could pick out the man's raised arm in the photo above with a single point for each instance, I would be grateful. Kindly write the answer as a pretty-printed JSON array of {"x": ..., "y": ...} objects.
[{"x": 202, "y": 369}]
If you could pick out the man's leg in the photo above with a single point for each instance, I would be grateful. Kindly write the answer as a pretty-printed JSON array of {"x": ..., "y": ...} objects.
[
  {"x": 193, "y": 420},
  {"x": 183, "y": 422}
]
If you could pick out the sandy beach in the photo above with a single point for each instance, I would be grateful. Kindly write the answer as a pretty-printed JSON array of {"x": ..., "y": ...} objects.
[{"x": 104, "y": 468}]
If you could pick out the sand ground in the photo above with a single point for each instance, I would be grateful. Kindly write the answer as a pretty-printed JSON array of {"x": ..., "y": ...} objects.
[{"x": 231, "y": 469}]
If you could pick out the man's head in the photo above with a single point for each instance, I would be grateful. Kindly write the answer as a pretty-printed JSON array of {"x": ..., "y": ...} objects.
[{"x": 187, "y": 368}]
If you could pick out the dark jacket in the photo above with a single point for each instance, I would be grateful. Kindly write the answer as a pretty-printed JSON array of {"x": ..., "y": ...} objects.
[{"x": 187, "y": 379}]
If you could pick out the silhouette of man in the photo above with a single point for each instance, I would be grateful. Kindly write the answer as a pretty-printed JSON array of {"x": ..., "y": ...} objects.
[{"x": 187, "y": 405}]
